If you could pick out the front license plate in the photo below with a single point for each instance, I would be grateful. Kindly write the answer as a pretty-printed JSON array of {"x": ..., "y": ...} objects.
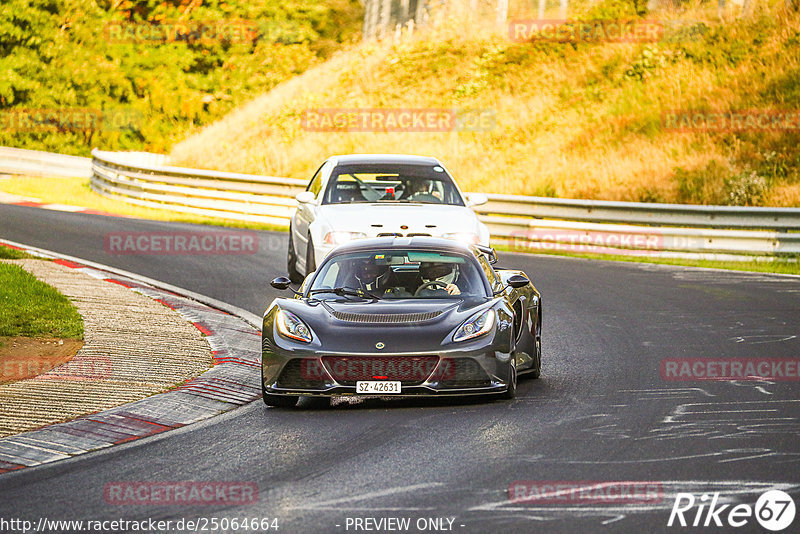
[{"x": 381, "y": 387}]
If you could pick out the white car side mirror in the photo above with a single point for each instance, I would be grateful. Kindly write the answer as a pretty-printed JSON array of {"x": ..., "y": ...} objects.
[
  {"x": 477, "y": 199},
  {"x": 306, "y": 197}
]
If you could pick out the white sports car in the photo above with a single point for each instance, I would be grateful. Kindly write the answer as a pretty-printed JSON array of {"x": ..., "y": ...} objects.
[{"x": 359, "y": 196}]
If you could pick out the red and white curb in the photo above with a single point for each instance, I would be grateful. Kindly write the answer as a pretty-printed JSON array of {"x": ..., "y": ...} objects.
[
  {"x": 16, "y": 200},
  {"x": 235, "y": 341}
]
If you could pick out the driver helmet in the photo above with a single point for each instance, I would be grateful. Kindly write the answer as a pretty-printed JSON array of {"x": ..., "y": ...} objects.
[
  {"x": 416, "y": 187},
  {"x": 443, "y": 272},
  {"x": 371, "y": 274}
]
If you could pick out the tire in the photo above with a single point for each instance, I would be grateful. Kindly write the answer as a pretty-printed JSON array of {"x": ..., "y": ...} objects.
[
  {"x": 280, "y": 401},
  {"x": 511, "y": 392},
  {"x": 314, "y": 403},
  {"x": 277, "y": 401},
  {"x": 311, "y": 262},
  {"x": 537, "y": 340},
  {"x": 291, "y": 261}
]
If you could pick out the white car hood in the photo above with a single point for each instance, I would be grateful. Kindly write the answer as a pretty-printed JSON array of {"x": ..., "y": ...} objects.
[{"x": 374, "y": 219}]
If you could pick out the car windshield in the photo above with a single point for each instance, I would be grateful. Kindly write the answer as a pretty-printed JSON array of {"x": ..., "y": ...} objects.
[
  {"x": 391, "y": 183},
  {"x": 400, "y": 274}
]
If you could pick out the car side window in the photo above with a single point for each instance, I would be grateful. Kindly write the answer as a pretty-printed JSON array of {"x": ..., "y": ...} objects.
[{"x": 316, "y": 182}]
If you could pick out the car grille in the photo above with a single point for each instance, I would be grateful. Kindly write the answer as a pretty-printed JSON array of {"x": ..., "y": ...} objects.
[
  {"x": 468, "y": 373},
  {"x": 386, "y": 318},
  {"x": 409, "y": 370},
  {"x": 398, "y": 234},
  {"x": 456, "y": 373}
]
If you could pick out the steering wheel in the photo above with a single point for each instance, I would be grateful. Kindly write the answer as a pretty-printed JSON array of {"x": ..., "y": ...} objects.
[{"x": 432, "y": 283}]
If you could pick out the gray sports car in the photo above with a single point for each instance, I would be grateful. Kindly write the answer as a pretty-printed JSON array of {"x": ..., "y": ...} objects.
[{"x": 402, "y": 316}]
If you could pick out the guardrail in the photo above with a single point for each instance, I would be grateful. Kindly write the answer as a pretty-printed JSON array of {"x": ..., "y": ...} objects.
[
  {"x": 244, "y": 197},
  {"x": 528, "y": 223},
  {"x": 38, "y": 163}
]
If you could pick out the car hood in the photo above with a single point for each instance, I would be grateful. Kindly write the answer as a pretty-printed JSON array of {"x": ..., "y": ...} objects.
[
  {"x": 402, "y": 325},
  {"x": 374, "y": 219}
]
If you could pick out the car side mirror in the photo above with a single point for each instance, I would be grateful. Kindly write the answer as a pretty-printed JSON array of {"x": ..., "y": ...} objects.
[
  {"x": 306, "y": 197},
  {"x": 477, "y": 199},
  {"x": 517, "y": 280},
  {"x": 281, "y": 283}
]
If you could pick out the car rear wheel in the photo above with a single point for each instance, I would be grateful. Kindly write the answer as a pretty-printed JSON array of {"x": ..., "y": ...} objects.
[
  {"x": 311, "y": 263},
  {"x": 291, "y": 261}
]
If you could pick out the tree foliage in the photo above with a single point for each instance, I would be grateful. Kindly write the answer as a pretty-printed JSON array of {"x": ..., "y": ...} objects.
[{"x": 69, "y": 82}]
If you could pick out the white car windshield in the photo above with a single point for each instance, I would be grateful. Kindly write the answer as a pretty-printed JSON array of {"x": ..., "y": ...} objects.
[
  {"x": 419, "y": 274},
  {"x": 391, "y": 183}
]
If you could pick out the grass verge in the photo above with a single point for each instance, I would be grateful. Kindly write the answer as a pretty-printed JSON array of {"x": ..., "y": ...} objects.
[
  {"x": 31, "y": 308},
  {"x": 8, "y": 253}
]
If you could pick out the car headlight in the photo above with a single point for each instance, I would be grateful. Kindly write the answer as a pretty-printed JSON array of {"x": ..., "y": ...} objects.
[
  {"x": 337, "y": 237},
  {"x": 475, "y": 326},
  {"x": 469, "y": 238},
  {"x": 290, "y": 325}
]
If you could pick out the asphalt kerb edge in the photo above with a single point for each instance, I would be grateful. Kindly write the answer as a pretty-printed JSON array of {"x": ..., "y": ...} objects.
[{"x": 235, "y": 340}]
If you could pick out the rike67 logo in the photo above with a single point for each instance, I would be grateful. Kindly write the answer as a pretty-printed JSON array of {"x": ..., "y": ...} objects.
[{"x": 774, "y": 511}]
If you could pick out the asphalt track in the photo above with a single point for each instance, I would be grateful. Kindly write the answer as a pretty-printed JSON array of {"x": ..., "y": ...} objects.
[{"x": 600, "y": 412}]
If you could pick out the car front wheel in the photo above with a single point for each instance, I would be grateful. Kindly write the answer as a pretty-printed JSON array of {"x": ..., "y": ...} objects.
[
  {"x": 291, "y": 261},
  {"x": 311, "y": 263},
  {"x": 277, "y": 401},
  {"x": 511, "y": 392}
]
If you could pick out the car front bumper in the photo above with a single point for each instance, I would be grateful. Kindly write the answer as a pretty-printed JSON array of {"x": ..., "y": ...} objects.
[{"x": 450, "y": 372}]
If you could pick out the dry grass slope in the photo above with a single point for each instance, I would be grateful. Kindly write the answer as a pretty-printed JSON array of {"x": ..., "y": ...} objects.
[{"x": 578, "y": 120}]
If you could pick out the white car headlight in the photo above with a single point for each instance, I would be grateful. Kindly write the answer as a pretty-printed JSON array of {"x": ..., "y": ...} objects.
[
  {"x": 475, "y": 326},
  {"x": 469, "y": 238},
  {"x": 338, "y": 237},
  {"x": 290, "y": 325}
]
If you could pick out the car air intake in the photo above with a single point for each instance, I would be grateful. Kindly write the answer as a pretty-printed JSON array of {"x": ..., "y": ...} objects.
[
  {"x": 302, "y": 374},
  {"x": 467, "y": 373},
  {"x": 386, "y": 318}
]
